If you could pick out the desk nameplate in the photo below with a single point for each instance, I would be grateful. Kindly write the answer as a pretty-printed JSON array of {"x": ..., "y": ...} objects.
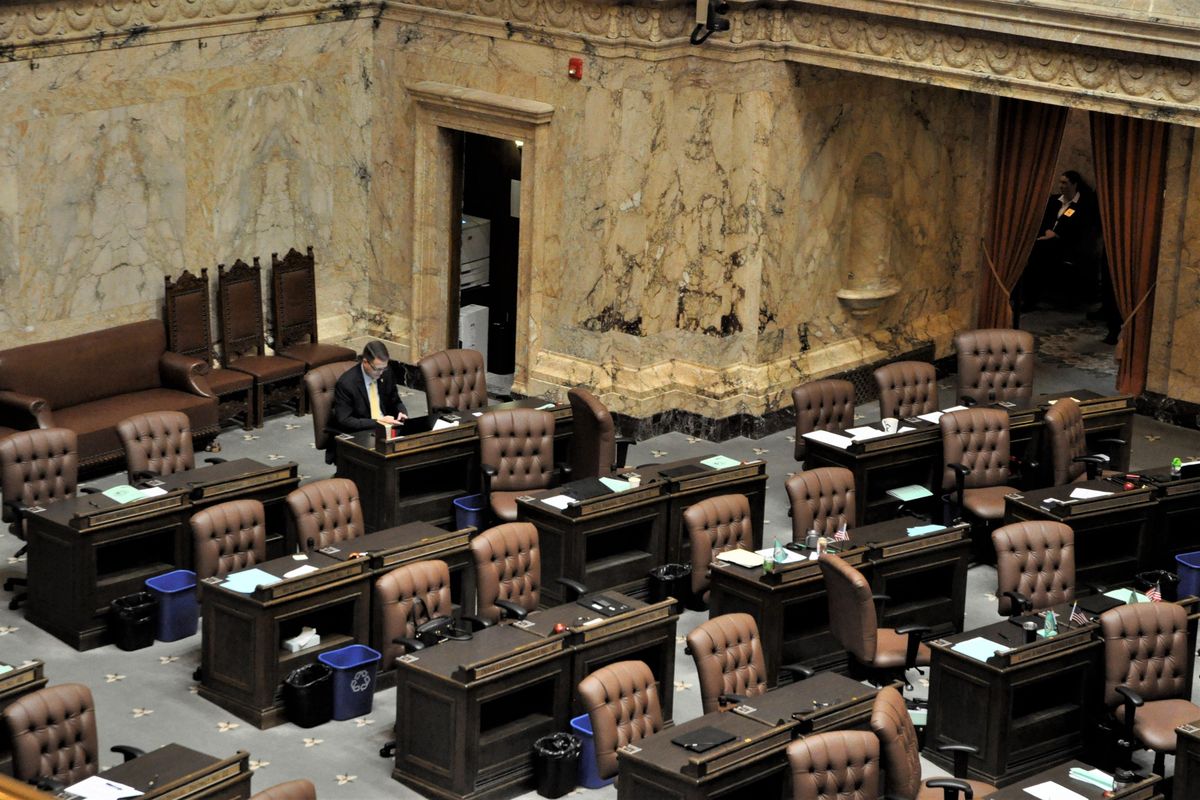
[
  {"x": 197, "y": 785},
  {"x": 807, "y": 570},
  {"x": 716, "y": 477},
  {"x": 511, "y": 659},
  {"x": 464, "y": 430},
  {"x": 88, "y": 520},
  {"x": 916, "y": 544},
  {"x": 1069, "y": 639},
  {"x": 1132, "y": 498},
  {"x": 427, "y": 549},
  {"x": 1104, "y": 405},
  {"x": 636, "y": 618},
  {"x": 262, "y": 480},
  {"x": 738, "y": 752},
  {"x": 20, "y": 677},
  {"x": 322, "y": 578},
  {"x": 597, "y": 505}
]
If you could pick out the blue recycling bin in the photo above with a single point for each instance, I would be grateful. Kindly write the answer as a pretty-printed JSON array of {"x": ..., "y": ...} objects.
[
  {"x": 354, "y": 668},
  {"x": 1189, "y": 573},
  {"x": 589, "y": 773},
  {"x": 178, "y": 609},
  {"x": 468, "y": 511}
]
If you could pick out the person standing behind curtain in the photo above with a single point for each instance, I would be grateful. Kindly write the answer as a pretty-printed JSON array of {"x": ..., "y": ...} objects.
[{"x": 1068, "y": 239}]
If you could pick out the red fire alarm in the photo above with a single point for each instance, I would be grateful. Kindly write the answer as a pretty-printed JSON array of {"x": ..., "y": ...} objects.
[{"x": 575, "y": 68}]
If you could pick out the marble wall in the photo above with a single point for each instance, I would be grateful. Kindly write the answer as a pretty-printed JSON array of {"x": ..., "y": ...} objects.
[{"x": 120, "y": 166}]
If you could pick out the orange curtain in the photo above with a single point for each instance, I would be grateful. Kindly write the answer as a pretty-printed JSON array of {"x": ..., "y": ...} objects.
[
  {"x": 1131, "y": 166},
  {"x": 1027, "y": 146}
]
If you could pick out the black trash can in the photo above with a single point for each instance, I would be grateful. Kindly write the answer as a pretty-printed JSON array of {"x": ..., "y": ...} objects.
[
  {"x": 671, "y": 580},
  {"x": 1167, "y": 583},
  {"x": 556, "y": 764},
  {"x": 131, "y": 620},
  {"x": 308, "y": 695}
]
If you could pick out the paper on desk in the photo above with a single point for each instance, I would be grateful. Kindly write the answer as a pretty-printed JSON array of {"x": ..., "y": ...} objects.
[
  {"x": 743, "y": 558},
  {"x": 862, "y": 434},
  {"x": 559, "y": 501},
  {"x": 921, "y": 530},
  {"x": 1052, "y": 402},
  {"x": 153, "y": 491},
  {"x": 826, "y": 437},
  {"x": 123, "y": 493},
  {"x": 476, "y": 413},
  {"x": 248, "y": 580},
  {"x": 616, "y": 485},
  {"x": 298, "y": 571},
  {"x": 1087, "y": 494},
  {"x": 545, "y": 406},
  {"x": 720, "y": 462},
  {"x": 791, "y": 556},
  {"x": 97, "y": 788},
  {"x": 442, "y": 424},
  {"x": 932, "y": 416},
  {"x": 1097, "y": 777},
  {"x": 1053, "y": 791},
  {"x": 5, "y": 668},
  {"x": 1123, "y": 595},
  {"x": 979, "y": 648}
]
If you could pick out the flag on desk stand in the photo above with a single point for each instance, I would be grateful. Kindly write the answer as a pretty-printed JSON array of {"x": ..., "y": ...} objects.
[
  {"x": 1154, "y": 593},
  {"x": 841, "y": 535},
  {"x": 1078, "y": 617}
]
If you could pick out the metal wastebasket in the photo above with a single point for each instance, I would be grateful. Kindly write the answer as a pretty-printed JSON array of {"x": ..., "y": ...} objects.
[
  {"x": 671, "y": 580},
  {"x": 131, "y": 620},
  {"x": 556, "y": 764}
]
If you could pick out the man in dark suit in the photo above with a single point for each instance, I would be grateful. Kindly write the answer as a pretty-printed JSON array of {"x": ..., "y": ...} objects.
[{"x": 367, "y": 394}]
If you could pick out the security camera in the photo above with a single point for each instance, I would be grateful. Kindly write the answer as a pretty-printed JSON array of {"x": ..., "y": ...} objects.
[{"x": 709, "y": 19}]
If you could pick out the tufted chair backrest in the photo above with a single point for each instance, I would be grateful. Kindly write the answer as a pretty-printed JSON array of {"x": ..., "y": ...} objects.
[
  {"x": 996, "y": 364},
  {"x": 594, "y": 437},
  {"x": 715, "y": 525},
  {"x": 826, "y": 405},
  {"x": 229, "y": 537},
  {"x": 325, "y": 512},
  {"x": 508, "y": 566},
  {"x": 300, "y": 789},
  {"x": 37, "y": 467},
  {"x": 898, "y": 742},
  {"x": 399, "y": 614},
  {"x": 454, "y": 379},
  {"x": 1068, "y": 440},
  {"x": 1037, "y": 559},
  {"x": 319, "y": 383},
  {"x": 977, "y": 438},
  {"x": 907, "y": 388},
  {"x": 1146, "y": 649},
  {"x": 519, "y": 443},
  {"x": 729, "y": 658},
  {"x": 160, "y": 442},
  {"x": 837, "y": 765},
  {"x": 854, "y": 623},
  {"x": 53, "y": 734},
  {"x": 622, "y": 701},
  {"x": 822, "y": 499}
]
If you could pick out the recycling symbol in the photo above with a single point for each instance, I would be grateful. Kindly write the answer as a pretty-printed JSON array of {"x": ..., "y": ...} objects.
[{"x": 361, "y": 681}]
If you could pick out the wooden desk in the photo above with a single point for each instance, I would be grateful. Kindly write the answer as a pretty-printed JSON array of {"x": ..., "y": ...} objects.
[
  {"x": 14, "y": 685},
  {"x": 644, "y": 633},
  {"x": 1143, "y": 789},
  {"x": 1187, "y": 761},
  {"x": 924, "y": 575},
  {"x": 418, "y": 476},
  {"x": 243, "y": 661},
  {"x": 755, "y": 763},
  {"x": 89, "y": 550},
  {"x": 1176, "y": 523},
  {"x": 468, "y": 713},
  {"x": 607, "y": 542},
  {"x": 175, "y": 771},
  {"x": 915, "y": 457},
  {"x": 688, "y": 482},
  {"x": 1112, "y": 534}
]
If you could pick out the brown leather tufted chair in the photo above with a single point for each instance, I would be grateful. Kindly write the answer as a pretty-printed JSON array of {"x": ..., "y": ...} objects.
[
  {"x": 53, "y": 735},
  {"x": 1035, "y": 565},
  {"x": 508, "y": 571},
  {"x": 319, "y": 384},
  {"x": 291, "y": 790},
  {"x": 907, "y": 388},
  {"x": 1068, "y": 445},
  {"x": 516, "y": 451},
  {"x": 622, "y": 701},
  {"x": 996, "y": 364},
  {"x": 596, "y": 450},
  {"x": 37, "y": 467},
  {"x": 324, "y": 512},
  {"x": 455, "y": 380},
  {"x": 229, "y": 537},
  {"x": 294, "y": 312},
  {"x": 1146, "y": 663},
  {"x": 729, "y": 660},
  {"x": 821, "y": 499},
  {"x": 157, "y": 444},
  {"x": 715, "y": 525},
  {"x": 901, "y": 752},
  {"x": 406, "y": 599},
  {"x": 826, "y": 405},
  {"x": 854, "y": 622},
  {"x": 836, "y": 765},
  {"x": 976, "y": 457}
]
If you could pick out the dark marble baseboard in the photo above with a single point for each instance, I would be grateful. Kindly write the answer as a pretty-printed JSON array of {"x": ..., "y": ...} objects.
[{"x": 1168, "y": 409}]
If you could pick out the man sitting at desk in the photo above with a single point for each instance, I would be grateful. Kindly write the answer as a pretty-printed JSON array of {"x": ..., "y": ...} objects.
[{"x": 368, "y": 394}]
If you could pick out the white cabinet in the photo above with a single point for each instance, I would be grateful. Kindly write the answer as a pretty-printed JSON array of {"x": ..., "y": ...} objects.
[
  {"x": 473, "y": 328},
  {"x": 475, "y": 251}
]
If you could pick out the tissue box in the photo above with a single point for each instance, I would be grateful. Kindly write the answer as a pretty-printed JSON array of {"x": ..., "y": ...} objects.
[{"x": 308, "y": 637}]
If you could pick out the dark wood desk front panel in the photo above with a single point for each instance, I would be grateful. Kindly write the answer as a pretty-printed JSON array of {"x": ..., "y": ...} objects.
[{"x": 1187, "y": 761}]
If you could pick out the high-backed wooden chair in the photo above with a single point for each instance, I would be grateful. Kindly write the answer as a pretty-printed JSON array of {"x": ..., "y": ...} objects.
[
  {"x": 294, "y": 312},
  {"x": 187, "y": 315},
  {"x": 243, "y": 344}
]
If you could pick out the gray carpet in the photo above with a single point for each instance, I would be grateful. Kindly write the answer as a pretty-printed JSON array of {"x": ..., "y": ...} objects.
[{"x": 146, "y": 698}]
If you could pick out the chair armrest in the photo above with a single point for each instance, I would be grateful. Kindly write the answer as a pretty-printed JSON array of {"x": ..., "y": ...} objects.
[
  {"x": 914, "y": 634},
  {"x": 87, "y": 490},
  {"x": 215, "y": 460},
  {"x": 623, "y": 445},
  {"x": 1113, "y": 441},
  {"x": 732, "y": 699},
  {"x": 966, "y": 400},
  {"x": 49, "y": 785},
  {"x": 26, "y": 410},
  {"x": 410, "y": 645},
  {"x": 1021, "y": 603},
  {"x": 489, "y": 472},
  {"x": 962, "y": 753},
  {"x": 184, "y": 373},
  {"x": 575, "y": 586},
  {"x": 880, "y": 600},
  {"x": 960, "y": 470},
  {"x": 130, "y": 753},
  {"x": 142, "y": 475},
  {"x": 476, "y": 623},
  {"x": 952, "y": 787},
  {"x": 511, "y": 610},
  {"x": 799, "y": 672},
  {"x": 562, "y": 472}
]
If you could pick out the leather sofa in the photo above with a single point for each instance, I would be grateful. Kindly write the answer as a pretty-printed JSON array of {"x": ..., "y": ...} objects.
[{"x": 89, "y": 383}]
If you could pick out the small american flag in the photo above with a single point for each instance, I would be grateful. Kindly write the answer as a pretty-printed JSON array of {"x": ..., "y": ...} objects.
[
  {"x": 1078, "y": 617},
  {"x": 841, "y": 535},
  {"x": 1154, "y": 593}
]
